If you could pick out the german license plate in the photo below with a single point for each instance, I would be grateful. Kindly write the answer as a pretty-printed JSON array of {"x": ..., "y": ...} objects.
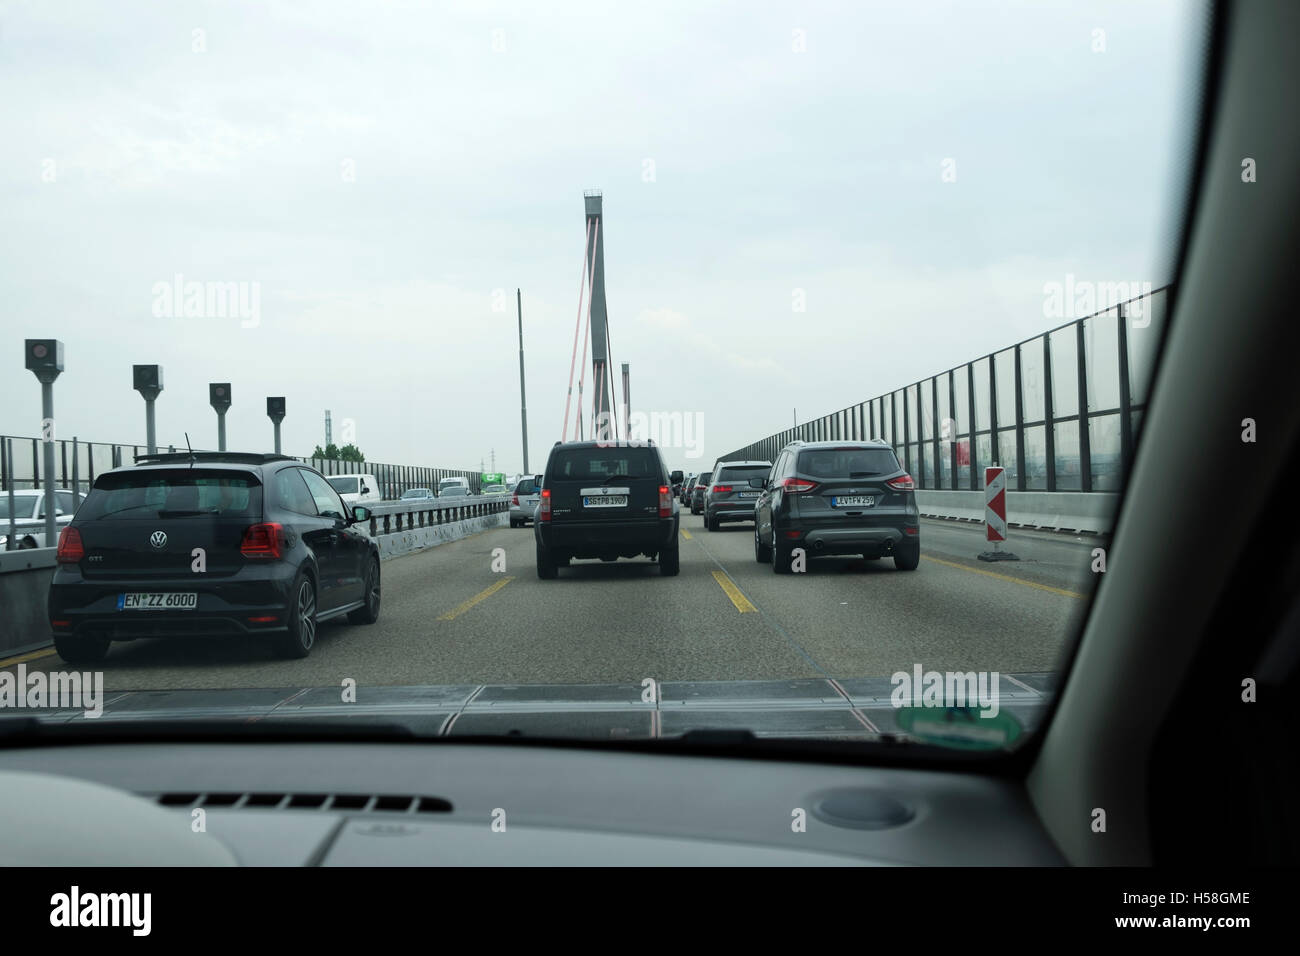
[
  {"x": 157, "y": 601},
  {"x": 605, "y": 501},
  {"x": 853, "y": 501}
]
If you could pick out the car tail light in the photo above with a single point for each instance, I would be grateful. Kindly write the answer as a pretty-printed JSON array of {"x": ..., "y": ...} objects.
[
  {"x": 665, "y": 501},
  {"x": 902, "y": 483},
  {"x": 514, "y": 500},
  {"x": 262, "y": 541},
  {"x": 721, "y": 488},
  {"x": 544, "y": 506},
  {"x": 71, "y": 550},
  {"x": 796, "y": 486}
]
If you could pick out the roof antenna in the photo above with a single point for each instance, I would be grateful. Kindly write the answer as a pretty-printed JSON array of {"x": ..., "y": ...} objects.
[{"x": 187, "y": 445}]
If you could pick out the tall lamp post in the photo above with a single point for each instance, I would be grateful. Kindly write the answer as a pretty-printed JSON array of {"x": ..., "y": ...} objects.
[
  {"x": 219, "y": 399},
  {"x": 275, "y": 412},
  {"x": 149, "y": 383},
  {"x": 45, "y": 360}
]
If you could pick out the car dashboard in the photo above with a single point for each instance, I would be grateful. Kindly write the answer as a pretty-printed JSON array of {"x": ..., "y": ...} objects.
[{"x": 471, "y": 804}]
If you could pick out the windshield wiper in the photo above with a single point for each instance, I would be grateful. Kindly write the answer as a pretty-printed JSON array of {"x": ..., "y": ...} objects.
[{"x": 16, "y": 729}]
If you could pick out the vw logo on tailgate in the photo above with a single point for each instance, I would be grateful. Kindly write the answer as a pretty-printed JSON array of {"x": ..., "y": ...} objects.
[{"x": 158, "y": 539}]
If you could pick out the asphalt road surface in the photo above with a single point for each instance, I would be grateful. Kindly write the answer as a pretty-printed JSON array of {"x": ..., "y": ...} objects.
[{"x": 447, "y": 618}]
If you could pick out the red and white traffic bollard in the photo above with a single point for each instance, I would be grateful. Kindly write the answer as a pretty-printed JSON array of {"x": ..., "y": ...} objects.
[{"x": 995, "y": 514}]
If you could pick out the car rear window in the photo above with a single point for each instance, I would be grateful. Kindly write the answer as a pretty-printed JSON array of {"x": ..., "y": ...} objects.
[
  {"x": 526, "y": 487},
  {"x": 173, "y": 494},
  {"x": 743, "y": 472},
  {"x": 846, "y": 462},
  {"x": 344, "y": 486},
  {"x": 599, "y": 464}
]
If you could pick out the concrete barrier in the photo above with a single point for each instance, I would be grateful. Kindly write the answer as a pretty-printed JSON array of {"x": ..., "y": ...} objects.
[
  {"x": 417, "y": 539},
  {"x": 1091, "y": 512},
  {"x": 25, "y": 575},
  {"x": 24, "y": 581}
]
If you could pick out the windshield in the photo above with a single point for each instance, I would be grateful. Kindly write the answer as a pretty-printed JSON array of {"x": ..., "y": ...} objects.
[
  {"x": 847, "y": 462},
  {"x": 896, "y": 274},
  {"x": 152, "y": 494},
  {"x": 742, "y": 473},
  {"x": 345, "y": 486},
  {"x": 600, "y": 465}
]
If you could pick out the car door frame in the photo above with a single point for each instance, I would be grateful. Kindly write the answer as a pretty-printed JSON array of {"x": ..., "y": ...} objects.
[
  {"x": 763, "y": 508},
  {"x": 320, "y": 534},
  {"x": 350, "y": 549}
]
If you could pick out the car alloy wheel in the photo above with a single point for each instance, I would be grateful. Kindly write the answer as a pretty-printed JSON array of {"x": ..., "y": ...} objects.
[{"x": 306, "y": 614}]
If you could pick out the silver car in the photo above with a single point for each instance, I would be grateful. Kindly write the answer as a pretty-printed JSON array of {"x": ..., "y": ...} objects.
[
  {"x": 29, "y": 518},
  {"x": 524, "y": 501}
]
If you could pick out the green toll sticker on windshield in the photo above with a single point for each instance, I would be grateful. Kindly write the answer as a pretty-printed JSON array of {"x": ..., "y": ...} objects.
[{"x": 961, "y": 727}]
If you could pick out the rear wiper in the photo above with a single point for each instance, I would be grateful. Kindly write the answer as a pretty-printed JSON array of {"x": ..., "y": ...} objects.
[
  {"x": 863, "y": 474},
  {"x": 118, "y": 511},
  {"x": 609, "y": 478},
  {"x": 188, "y": 513}
]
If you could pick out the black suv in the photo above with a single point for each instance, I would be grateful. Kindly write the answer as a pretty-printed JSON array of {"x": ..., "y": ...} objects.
[
  {"x": 837, "y": 498},
  {"x": 210, "y": 544},
  {"x": 606, "y": 500},
  {"x": 735, "y": 488}
]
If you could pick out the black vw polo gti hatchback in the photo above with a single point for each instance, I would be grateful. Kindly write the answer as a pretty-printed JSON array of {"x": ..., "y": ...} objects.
[{"x": 219, "y": 543}]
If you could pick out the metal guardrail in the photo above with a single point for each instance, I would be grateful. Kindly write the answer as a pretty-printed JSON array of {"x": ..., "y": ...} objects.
[
  {"x": 391, "y": 517},
  {"x": 78, "y": 462}
]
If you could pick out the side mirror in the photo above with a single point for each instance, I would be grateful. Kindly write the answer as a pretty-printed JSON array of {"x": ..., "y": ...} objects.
[
  {"x": 758, "y": 482},
  {"x": 57, "y": 512},
  {"x": 360, "y": 514}
]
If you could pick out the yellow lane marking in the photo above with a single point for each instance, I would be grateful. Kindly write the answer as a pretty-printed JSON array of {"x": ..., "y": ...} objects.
[
  {"x": 686, "y": 534},
  {"x": 22, "y": 658},
  {"x": 1007, "y": 577},
  {"x": 733, "y": 592},
  {"x": 483, "y": 595}
]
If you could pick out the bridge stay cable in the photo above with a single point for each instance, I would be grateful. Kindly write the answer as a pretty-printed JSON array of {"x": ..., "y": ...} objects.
[{"x": 577, "y": 330}]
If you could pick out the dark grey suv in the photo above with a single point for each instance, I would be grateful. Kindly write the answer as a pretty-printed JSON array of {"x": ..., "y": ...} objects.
[
  {"x": 838, "y": 498},
  {"x": 735, "y": 488}
]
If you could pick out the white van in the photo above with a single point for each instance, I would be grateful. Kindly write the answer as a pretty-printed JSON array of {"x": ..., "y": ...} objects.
[
  {"x": 457, "y": 482},
  {"x": 356, "y": 489}
]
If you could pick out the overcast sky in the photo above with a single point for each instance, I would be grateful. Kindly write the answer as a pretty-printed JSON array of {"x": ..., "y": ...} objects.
[{"x": 378, "y": 171}]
